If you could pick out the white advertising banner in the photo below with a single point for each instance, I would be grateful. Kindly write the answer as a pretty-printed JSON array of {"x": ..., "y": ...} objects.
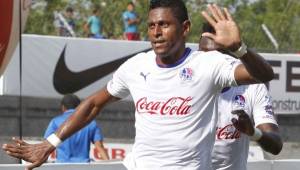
[
  {"x": 118, "y": 151},
  {"x": 53, "y": 66},
  {"x": 285, "y": 87}
]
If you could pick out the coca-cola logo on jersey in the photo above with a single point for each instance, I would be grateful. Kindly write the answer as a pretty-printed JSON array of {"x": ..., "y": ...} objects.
[
  {"x": 172, "y": 106},
  {"x": 227, "y": 132}
]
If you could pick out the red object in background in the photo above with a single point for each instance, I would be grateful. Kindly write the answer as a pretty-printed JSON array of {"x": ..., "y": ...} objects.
[{"x": 6, "y": 19}]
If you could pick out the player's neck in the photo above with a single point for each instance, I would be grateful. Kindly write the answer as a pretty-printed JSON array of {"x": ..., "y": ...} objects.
[{"x": 171, "y": 61}]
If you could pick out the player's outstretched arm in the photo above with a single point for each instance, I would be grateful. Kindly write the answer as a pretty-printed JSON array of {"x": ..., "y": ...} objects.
[
  {"x": 37, "y": 154},
  {"x": 254, "y": 68},
  {"x": 266, "y": 135}
]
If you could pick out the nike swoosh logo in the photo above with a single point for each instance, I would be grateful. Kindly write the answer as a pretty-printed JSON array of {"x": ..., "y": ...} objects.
[{"x": 66, "y": 81}]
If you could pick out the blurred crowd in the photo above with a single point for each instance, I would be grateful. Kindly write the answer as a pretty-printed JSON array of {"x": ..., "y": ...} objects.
[{"x": 66, "y": 24}]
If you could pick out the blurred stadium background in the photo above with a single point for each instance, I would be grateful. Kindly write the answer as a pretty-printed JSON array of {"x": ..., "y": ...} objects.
[{"x": 270, "y": 26}]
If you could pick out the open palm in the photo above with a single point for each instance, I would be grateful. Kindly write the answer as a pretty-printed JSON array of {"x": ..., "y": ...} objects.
[{"x": 227, "y": 32}]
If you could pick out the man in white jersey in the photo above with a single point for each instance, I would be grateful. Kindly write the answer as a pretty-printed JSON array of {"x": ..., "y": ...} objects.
[
  {"x": 231, "y": 146},
  {"x": 174, "y": 90}
]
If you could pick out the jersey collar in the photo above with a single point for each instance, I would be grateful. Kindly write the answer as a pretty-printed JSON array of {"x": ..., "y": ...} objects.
[{"x": 181, "y": 60}]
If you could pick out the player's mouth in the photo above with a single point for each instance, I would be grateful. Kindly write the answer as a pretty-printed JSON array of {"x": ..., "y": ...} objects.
[{"x": 159, "y": 43}]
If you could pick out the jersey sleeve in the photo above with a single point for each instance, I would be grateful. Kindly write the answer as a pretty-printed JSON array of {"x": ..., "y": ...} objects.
[
  {"x": 96, "y": 132},
  {"x": 117, "y": 85},
  {"x": 224, "y": 70},
  {"x": 262, "y": 105},
  {"x": 50, "y": 129}
]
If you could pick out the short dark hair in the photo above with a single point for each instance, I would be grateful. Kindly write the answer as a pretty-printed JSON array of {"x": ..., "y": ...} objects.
[
  {"x": 130, "y": 3},
  {"x": 70, "y": 101},
  {"x": 177, "y": 6},
  {"x": 69, "y": 9},
  {"x": 95, "y": 10}
]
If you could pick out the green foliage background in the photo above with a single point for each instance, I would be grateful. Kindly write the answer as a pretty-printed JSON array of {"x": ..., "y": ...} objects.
[{"x": 282, "y": 17}]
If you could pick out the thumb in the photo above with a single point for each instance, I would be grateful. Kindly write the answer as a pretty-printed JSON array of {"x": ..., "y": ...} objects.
[
  {"x": 209, "y": 35},
  {"x": 235, "y": 122}
]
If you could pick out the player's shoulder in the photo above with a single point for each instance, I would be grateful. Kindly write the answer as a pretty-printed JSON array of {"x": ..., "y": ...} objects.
[
  {"x": 211, "y": 55},
  {"x": 257, "y": 87},
  {"x": 92, "y": 124},
  {"x": 142, "y": 57},
  {"x": 138, "y": 60},
  {"x": 250, "y": 88}
]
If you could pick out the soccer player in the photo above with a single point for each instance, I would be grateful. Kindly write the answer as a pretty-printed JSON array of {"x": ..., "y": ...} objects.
[
  {"x": 174, "y": 90},
  {"x": 250, "y": 105},
  {"x": 76, "y": 148}
]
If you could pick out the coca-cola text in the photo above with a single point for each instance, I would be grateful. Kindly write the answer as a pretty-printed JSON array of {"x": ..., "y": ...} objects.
[{"x": 173, "y": 106}]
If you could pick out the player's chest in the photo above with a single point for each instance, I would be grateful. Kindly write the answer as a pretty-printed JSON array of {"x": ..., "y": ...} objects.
[
  {"x": 233, "y": 100},
  {"x": 184, "y": 81}
]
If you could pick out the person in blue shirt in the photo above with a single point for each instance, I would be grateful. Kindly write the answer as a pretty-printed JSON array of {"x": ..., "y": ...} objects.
[
  {"x": 131, "y": 21},
  {"x": 93, "y": 26},
  {"x": 77, "y": 147}
]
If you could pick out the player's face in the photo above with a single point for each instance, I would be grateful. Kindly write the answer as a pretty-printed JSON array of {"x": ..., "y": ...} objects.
[{"x": 166, "y": 33}]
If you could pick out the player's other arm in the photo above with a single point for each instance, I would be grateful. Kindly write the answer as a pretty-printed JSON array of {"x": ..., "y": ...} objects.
[
  {"x": 270, "y": 140},
  {"x": 266, "y": 134},
  {"x": 101, "y": 150},
  {"x": 37, "y": 154}
]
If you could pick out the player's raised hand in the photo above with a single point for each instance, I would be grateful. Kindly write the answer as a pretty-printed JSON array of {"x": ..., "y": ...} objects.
[
  {"x": 227, "y": 32},
  {"x": 37, "y": 154},
  {"x": 243, "y": 123}
]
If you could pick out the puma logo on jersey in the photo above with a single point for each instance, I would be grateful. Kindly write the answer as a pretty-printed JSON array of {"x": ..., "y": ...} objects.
[{"x": 144, "y": 75}]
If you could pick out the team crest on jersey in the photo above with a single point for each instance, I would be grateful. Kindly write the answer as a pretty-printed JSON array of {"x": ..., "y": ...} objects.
[
  {"x": 186, "y": 74},
  {"x": 269, "y": 107},
  {"x": 239, "y": 102}
]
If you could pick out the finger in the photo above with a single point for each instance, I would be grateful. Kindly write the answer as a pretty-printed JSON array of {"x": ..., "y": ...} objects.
[
  {"x": 209, "y": 35},
  {"x": 35, "y": 164},
  {"x": 20, "y": 142},
  {"x": 9, "y": 147},
  {"x": 211, "y": 21},
  {"x": 235, "y": 122},
  {"x": 219, "y": 12},
  {"x": 214, "y": 12},
  {"x": 238, "y": 112},
  {"x": 14, "y": 154},
  {"x": 227, "y": 14}
]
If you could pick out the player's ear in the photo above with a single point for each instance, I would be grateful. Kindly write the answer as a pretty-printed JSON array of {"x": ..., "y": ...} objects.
[{"x": 186, "y": 27}]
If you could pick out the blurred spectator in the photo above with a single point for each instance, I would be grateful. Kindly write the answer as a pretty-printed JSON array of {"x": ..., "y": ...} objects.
[
  {"x": 65, "y": 23},
  {"x": 131, "y": 21},
  {"x": 77, "y": 147},
  {"x": 93, "y": 27}
]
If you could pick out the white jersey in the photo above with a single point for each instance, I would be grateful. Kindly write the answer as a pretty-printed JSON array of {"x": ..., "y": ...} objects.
[
  {"x": 175, "y": 107},
  {"x": 231, "y": 147}
]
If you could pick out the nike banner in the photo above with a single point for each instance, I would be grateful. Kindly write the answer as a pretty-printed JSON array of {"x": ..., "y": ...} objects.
[{"x": 53, "y": 66}]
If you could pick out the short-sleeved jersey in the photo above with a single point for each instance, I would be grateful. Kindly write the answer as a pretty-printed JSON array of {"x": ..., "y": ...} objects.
[
  {"x": 132, "y": 28},
  {"x": 175, "y": 107},
  {"x": 77, "y": 147},
  {"x": 231, "y": 147}
]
